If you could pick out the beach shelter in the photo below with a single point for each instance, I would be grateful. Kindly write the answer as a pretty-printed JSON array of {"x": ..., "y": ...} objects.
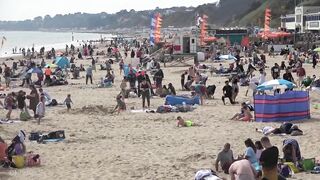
[
  {"x": 276, "y": 84},
  {"x": 289, "y": 106},
  {"x": 62, "y": 62}
]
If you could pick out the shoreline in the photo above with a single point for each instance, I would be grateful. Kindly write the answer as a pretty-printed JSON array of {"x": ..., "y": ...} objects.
[{"x": 6, "y": 50}]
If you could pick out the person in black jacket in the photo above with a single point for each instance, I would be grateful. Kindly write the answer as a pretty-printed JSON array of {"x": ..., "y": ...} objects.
[
  {"x": 158, "y": 76},
  {"x": 250, "y": 69},
  {"x": 227, "y": 93}
]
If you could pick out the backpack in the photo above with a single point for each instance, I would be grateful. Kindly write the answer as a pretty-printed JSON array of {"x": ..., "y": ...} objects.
[
  {"x": 53, "y": 102},
  {"x": 24, "y": 116}
]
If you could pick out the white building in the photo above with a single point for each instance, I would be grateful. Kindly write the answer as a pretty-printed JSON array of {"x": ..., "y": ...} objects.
[{"x": 305, "y": 18}]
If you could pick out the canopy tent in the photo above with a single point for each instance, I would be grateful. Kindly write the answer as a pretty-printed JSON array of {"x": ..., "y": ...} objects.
[
  {"x": 62, "y": 62},
  {"x": 276, "y": 84},
  {"x": 289, "y": 106}
]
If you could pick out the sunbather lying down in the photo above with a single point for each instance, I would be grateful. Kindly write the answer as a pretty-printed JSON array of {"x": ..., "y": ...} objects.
[
  {"x": 182, "y": 123},
  {"x": 285, "y": 128}
]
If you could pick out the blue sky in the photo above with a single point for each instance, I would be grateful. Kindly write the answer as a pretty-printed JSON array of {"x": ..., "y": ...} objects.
[{"x": 28, "y": 9}]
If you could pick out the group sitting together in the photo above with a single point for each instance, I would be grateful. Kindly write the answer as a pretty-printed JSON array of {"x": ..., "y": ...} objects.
[
  {"x": 260, "y": 160},
  {"x": 16, "y": 155}
]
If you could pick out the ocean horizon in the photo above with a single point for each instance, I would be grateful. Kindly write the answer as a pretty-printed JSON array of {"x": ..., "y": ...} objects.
[{"x": 38, "y": 39}]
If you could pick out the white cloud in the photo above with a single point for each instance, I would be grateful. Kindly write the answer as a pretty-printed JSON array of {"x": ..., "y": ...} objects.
[{"x": 28, "y": 9}]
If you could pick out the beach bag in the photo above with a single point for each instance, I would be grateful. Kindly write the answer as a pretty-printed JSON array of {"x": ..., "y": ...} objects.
[
  {"x": 34, "y": 136},
  {"x": 53, "y": 102},
  {"x": 285, "y": 171},
  {"x": 18, "y": 161},
  {"x": 308, "y": 164},
  {"x": 24, "y": 116},
  {"x": 292, "y": 167},
  {"x": 56, "y": 135}
]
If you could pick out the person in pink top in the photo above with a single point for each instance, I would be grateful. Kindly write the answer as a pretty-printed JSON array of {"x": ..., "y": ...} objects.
[
  {"x": 242, "y": 170},
  {"x": 3, "y": 148}
]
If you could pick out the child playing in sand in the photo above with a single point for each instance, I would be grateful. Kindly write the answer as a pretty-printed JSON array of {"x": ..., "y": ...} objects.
[
  {"x": 121, "y": 105},
  {"x": 68, "y": 102},
  {"x": 40, "y": 110},
  {"x": 182, "y": 123}
]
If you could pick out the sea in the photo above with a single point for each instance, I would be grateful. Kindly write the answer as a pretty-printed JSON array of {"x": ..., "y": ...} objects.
[{"x": 37, "y": 39}]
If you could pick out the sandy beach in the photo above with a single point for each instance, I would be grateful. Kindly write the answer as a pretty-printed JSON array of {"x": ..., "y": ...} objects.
[{"x": 104, "y": 146}]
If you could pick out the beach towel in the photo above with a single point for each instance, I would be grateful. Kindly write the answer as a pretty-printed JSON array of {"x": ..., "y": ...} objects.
[
  {"x": 2, "y": 121},
  {"x": 206, "y": 174},
  {"x": 52, "y": 140}
]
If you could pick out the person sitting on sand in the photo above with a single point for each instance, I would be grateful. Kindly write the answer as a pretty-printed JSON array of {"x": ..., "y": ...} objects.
[
  {"x": 182, "y": 123},
  {"x": 121, "y": 105},
  {"x": 242, "y": 170},
  {"x": 291, "y": 151},
  {"x": 247, "y": 114},
  {"x": 3, "y": 148},
  {"x": 237, "y": 116},
  {"x": 164, "y": 91},
  {"x": 259, "y": 148},
  {"x": 225, "y": 158},
  {"x": 250, "y": 154},
  {"x": 17, "y": 148},
  {"x": 172, "y": 90}
]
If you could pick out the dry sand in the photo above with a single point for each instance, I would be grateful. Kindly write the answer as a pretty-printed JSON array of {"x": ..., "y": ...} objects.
[{"x": 102, "y": 146}]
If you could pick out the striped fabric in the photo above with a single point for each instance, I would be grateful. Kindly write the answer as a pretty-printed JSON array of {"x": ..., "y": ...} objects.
[{"x": 289, "y": 106}]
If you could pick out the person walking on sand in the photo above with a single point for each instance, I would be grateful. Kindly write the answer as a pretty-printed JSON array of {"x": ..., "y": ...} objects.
[
  {"x": 68, "y": 102},
  {"x": 33, "y": 99},
  {"x": 47, "y": 74},
  {"x": 121, "y": 66},
  {"x": 89, "y": 74},
  {"x": 9, "y": 101},
  {"x": 7, "y": 75},
  {"x": 40, "y": 110}
]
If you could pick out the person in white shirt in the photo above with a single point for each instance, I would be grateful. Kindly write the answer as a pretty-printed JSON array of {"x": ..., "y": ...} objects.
[
  {"x": 262, "y": 77},
  {"x": 46, "y": 96}
]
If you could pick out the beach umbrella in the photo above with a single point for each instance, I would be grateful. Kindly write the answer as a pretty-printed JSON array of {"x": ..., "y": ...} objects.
[
  {"x": 34, "y": 70},
  {"x": 276, "y": 84},
  {"x": 317, "y": 49},
  {"x": 227, "y": 57}
]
